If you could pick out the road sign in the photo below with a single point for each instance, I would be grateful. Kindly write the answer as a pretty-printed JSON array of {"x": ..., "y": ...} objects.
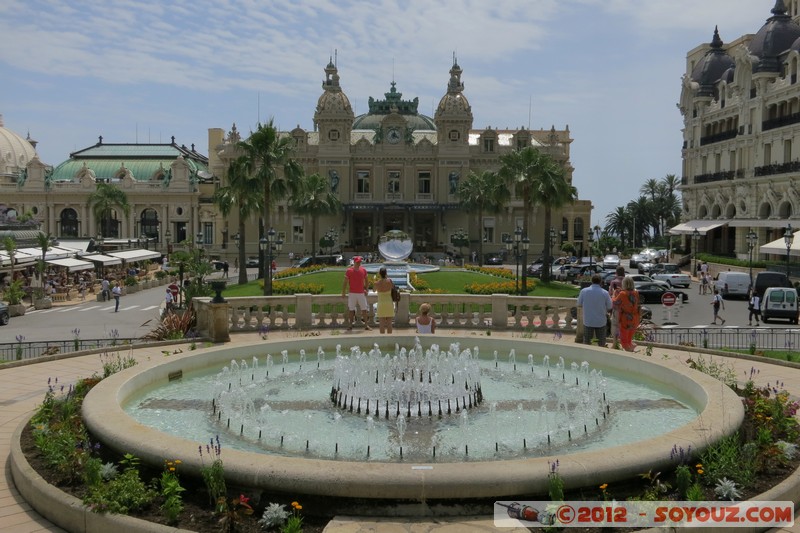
[{"x": 668, "y": 299}]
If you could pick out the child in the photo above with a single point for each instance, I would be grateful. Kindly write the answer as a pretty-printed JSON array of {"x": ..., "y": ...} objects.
[{"x": 425, "y": 323}]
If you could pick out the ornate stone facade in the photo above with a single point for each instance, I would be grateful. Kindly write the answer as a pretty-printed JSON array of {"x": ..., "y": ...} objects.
[
  {"x": 741, "y": 137},
  {"x": 394, "y": 168}
]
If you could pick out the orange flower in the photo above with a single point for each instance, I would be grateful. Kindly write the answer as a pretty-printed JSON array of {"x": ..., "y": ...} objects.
[{"x": 604, "y": 486}]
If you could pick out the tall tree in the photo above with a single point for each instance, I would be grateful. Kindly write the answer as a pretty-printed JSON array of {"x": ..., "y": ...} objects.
[
  {"x": 103, "y": 201},
  {"x": 315, "y": 198},
  {"x": 620, "y": 223},
  {"x": 244, "y": 194},
  {"x": 268, "y": 159},
  {"x": 481, "y": 193},
  {"x": 641, "y": 211},
  {"x": 537, "y": 179},
  {"x": 10, "y": 246}
]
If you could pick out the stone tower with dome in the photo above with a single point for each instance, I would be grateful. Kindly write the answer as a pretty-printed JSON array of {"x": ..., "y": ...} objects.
[{"x": 740, "y": 103}]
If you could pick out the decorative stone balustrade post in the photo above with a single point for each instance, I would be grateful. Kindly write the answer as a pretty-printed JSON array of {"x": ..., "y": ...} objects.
[
  {"x": 303, "y": 310},
  {"x": 500, "y": 311}
]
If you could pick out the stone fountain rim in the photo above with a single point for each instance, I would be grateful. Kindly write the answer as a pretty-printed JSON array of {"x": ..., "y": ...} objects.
[{"x": 721, "y": 413}]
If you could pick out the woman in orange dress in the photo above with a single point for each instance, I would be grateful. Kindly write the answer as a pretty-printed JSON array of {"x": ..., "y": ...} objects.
[{"x": 626, "y": 304}]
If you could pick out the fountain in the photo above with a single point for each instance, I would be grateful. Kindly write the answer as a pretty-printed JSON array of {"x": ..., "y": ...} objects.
[
  {"x": 275, "y": 413},
  {"x": 395, "y": 248}
]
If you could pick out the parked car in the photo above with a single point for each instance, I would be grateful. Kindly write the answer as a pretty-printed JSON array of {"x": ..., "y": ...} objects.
[
  {"x": 4, "y": 314},
  {"x": 611, "y": 261},
  {"x": 639, "y": 279},
  {"x": 577, "y": 270},
  {"x": 635, "y": 260},
  {"x": 493, "y": 259},
  {"x": 670, "y": 273},
  {"x": 535, "y": 269},
  {"x": 733, "y": 284},
  {"x": 780, "y": 302},
  {"x": 767, "y": 279},
  {"x": 252, "y": 262},
  {"x": 644, "y": 266},
  {"x": 651, "y": 293},
  {"x": 334, "y": 259}
]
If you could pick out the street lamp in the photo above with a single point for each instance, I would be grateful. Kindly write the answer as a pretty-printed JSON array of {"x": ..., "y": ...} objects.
[
  {"x": 270, "y": 245},
  {"x": 517, "y": 240},
  {"x": 788, "y": 238},
  {"x": 752, "y": 239},
  {"x": 263, "y": 244},
  {"x": 236, "y": 239},
  {"x": 597, "y": 233},
  {"x": 526, "y": 242},
  {"x": 509, "y": 243},
  {"x": 695, "y": 240}
]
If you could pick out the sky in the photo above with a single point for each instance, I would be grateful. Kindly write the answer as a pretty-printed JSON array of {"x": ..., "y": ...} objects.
[{"x": 147, "y": 70}]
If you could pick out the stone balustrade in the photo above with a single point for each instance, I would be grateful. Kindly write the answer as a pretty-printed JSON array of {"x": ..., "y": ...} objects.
[{"x": 451, "y": 311}]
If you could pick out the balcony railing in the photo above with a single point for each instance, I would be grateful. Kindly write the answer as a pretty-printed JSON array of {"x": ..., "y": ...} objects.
[
  {"x": 719, "y": 137},
  {"x": 783, "y": 168},
  {"x": 715, "y": 176},
  {"x": 779, "y": 122}
]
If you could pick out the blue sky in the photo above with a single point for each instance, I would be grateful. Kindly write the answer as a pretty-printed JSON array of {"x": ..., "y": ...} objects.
[{"x": 147, "y": 70}]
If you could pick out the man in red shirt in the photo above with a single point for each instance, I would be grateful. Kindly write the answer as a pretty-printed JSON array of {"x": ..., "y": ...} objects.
[{"x": 355, "y": 279}]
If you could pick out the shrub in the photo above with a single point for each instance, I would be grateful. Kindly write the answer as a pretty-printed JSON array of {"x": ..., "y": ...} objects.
[
  {"x": 173, "y": 326},
  {"x": 14, "y": 293},
  {"x": 121, "y": 495}
]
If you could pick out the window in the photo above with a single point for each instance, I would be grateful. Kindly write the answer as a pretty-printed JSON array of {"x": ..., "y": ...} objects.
[
  {"x": 298, "y": 235},
  {"x": 488, "y": 234},
  {"x": 333, "y": 135},
  {"x": 488, "y": 145},
  {"x": 787, "y": 151},
  {"x": 362, "y": 181},
  {"x": 424, "y": 182},
  {"x": 454, "y": 135},
  {"x": 69, "y": 223},
  {"x": 148, "y": 224},
  {"x": 578, "y": 229},
  {"x": 393, "y": 182},
  {"x": 767, "y": 154},
  {"x": 208, "y": 233}
]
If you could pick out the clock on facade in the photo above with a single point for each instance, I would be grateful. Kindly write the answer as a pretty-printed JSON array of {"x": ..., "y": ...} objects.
[{"x": 393, "y": 135}]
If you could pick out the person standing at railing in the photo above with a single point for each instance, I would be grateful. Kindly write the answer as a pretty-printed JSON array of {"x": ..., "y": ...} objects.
[
  {"x": 595, "y": 304},
  {"x": 383, "y": 286},
  {"x": 626, "y": 301},
  {"x": 355, "y": 280}
]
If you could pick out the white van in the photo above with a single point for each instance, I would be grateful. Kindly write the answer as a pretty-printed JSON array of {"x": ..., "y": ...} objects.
[
  {"x": 733, "y": 284},
  {"x": 780, "y": 302}
]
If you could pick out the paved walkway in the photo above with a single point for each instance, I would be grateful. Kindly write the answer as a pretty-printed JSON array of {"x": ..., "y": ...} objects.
[{"x": 22, "y": 389}]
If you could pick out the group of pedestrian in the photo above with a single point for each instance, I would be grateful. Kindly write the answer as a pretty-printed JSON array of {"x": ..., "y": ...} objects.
[
  {"x": 355, "y": 286},
  {"x": 622, "y": 310}
]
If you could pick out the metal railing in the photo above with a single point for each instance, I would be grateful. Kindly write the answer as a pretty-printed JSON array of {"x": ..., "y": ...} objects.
[
  {"x": 739, "y": 339},
  {"x": 24, "y": 350}
]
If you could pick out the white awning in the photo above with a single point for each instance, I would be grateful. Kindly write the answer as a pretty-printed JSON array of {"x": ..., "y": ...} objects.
[
  {"x": 74, "y": 265},
  {"x": 20, "y": 258},
  {"x": 778, "y": 246},
  {"x": 702, "y": 226},
  {"x": 135, "y": 255},
  {"x": 53, "y": 253},
  {"x": 104, "y": 259},
  {"x": 756, "y": 223}
]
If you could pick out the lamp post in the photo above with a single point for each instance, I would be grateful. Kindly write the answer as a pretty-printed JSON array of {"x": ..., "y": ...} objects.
[
  {"x": 526, "y": 242},
  {"x": 788, "y": 238},
  {"x": 167, "y": 239},
  {"x": 695, "y": 241},
  {"x": 270, "y": 245},
  {"x": 752, "y": 239},
  {"x": 263, "y": 244},
  {"x": 517, "y": 241},
  {"x": 509, "y": 243},
  {"x": 597, "y": 233}
]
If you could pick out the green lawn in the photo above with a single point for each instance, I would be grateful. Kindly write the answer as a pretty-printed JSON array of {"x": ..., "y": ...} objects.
[{"x": 450, "y": 281}]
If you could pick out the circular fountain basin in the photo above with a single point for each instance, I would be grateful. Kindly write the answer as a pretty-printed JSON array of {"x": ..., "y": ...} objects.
[{"x": 719, "y": 409}]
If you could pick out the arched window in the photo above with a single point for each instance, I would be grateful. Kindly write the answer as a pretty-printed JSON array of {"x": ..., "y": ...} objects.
[
  {"x": 577, "y": 230},
  {"x": 564, "y": 230},
  {"x": 69, "y": 223},
  {"x": 148, "y": 224}
]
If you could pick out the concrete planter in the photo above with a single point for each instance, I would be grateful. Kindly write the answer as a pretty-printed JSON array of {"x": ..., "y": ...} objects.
[
  {"x": 17, "y": 309},
  {"x": 42, "y": 303}
]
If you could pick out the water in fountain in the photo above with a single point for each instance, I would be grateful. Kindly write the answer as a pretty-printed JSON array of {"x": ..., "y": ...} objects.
[{"x": 393, "y": 397}]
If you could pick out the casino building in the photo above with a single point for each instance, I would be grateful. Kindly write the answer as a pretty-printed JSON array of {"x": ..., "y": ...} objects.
[{"x": 393, "y": 168}]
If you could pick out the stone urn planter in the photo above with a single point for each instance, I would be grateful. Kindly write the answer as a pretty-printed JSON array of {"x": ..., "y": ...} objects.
[
  {"x": 17, "y": 309},
  {"x": 43, "y": 303}
]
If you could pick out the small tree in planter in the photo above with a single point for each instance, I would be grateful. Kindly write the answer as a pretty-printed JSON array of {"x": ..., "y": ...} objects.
[
  {"x": 40, "y": 299},
  {"x": 131, "y": 284},
  {"x": 14, "y": 295}
]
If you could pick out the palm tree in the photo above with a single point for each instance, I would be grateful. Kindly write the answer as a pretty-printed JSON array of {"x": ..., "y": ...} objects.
[
  {"x": 537, "y": 179},
  {"x": 620, "y": 222},
  {"x": 641, "y": 211},
  {"x": 11, "y": 248},
  {"x": 314, "y": 198},
  {"x": 243, "y": 193},
  {"x": 483, "y": 193},
  {"x": 268, "y": 159},
  {"x": 103, "y": 201}
]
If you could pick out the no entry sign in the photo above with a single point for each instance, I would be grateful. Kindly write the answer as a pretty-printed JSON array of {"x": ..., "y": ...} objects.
[{"x": 668, "y": 299}]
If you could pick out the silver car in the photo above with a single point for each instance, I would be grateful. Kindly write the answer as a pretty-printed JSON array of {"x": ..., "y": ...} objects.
[{"x": 611, "y": 261}]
